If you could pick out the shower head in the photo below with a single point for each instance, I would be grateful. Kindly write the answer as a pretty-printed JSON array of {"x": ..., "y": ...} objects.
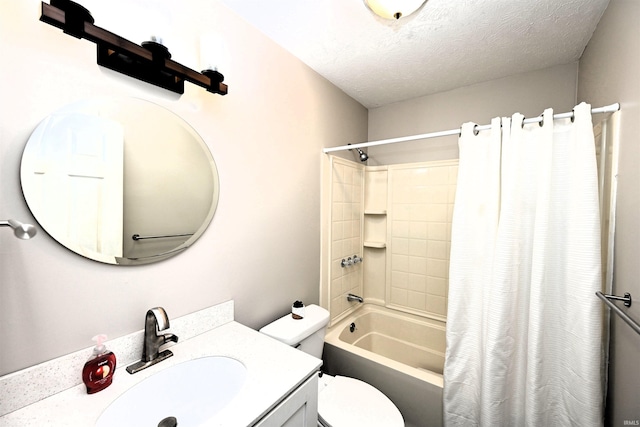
[
  {"x": 22, "y": 231},
  {"x": 363, "y": 157}
]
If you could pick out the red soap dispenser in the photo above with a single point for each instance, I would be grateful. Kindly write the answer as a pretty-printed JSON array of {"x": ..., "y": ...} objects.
[{"x": 99, "y": 369}]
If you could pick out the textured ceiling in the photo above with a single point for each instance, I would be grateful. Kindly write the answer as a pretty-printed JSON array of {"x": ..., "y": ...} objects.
[{"x": 444, "y": 45}]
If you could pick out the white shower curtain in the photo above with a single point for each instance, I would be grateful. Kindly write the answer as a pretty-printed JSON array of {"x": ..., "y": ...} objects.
[{"x": 523, "y": 323}]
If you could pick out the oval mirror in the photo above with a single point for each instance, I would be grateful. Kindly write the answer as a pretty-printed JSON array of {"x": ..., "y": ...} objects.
[{"x": 120, "y": 181}]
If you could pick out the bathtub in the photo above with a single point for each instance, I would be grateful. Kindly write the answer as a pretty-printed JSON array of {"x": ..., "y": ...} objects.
[{"x": 400, "y": 354}]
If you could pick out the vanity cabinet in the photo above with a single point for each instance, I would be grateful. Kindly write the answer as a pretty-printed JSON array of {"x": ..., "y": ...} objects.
[{"x": 298, "y": 409}]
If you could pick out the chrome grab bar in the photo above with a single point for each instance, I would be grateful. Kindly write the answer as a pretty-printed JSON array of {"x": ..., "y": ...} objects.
[
  {"x": 627, "y": 301},
  {"x": 139, "y": 237}
]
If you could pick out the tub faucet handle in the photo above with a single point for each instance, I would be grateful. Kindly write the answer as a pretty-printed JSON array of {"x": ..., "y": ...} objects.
[
  {"x": 357, "y": 259},
  {"x": 346, "y": 263}
]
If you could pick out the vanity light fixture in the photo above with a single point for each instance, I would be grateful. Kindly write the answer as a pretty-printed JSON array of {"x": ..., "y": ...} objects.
[
  {"x": 21, "y": 231},
  {"x": 393, "y": 9},
  {"x": 150, "y": 62}
]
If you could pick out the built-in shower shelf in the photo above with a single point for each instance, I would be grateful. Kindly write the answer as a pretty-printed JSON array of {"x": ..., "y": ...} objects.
[
  {"x": 375, "y": 228},
  {"x": 378, "y": 245}
]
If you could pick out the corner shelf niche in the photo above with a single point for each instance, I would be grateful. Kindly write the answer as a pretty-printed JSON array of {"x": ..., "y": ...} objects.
[
  {"x": 375, "y": 229},
  {"x": 375, "y": 208},
  {"x": 375, "y": 233},
  {"x": 375, "y": 245}
]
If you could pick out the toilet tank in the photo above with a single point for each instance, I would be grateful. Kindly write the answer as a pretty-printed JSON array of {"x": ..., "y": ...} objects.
[{"x": 306, "y": 334}]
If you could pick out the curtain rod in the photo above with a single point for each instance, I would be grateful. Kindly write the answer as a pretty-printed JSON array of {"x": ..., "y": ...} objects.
[{"x": 607, "y": 109}]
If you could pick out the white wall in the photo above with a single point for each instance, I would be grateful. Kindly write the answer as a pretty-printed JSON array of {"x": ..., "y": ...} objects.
[
  {"x": 610, "y": 72},
  {"x": 528, "y": 93},
  {"x": 262, "y": 248}
]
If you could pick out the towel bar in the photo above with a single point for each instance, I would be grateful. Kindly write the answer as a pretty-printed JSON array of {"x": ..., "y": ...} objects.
[
  {"x": 627, "y": 301},
  {"x": 139, "y": 237}
]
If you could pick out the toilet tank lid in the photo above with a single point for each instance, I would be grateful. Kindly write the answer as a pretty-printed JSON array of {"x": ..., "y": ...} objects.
[{"x": 292, "y": 331}]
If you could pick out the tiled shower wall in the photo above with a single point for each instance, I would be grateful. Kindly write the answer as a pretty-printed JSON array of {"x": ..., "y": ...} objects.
[
  {"x": 347, "y": 198},
  {"x": 420, "y": 208}
]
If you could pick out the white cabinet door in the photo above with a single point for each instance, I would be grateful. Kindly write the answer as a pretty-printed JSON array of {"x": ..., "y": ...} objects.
[{"x": 299, "y": 409}]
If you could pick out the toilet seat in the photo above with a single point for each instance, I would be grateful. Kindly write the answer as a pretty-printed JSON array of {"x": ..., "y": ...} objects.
[{"x": 348, "y": 402}]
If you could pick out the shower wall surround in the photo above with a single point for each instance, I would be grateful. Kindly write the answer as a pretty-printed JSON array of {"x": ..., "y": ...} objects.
[
  {"x": 347, "y": 200},
  {"x": 399, "y": 218},
  {"x": 421, "y": 197},
  {"x": 406, "y": 230}
]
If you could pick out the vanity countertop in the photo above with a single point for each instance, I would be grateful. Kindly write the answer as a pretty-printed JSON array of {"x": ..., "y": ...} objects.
[{"x": 273, "y": 371}]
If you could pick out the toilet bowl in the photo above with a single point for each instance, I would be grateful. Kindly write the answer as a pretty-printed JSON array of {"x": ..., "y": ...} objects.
[{"x": 342, "y": 401}]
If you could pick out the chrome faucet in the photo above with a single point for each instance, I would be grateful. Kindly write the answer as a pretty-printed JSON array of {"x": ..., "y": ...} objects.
[
  {"x": 352, "y": 297},
  {"x": 156, "y": 320}
]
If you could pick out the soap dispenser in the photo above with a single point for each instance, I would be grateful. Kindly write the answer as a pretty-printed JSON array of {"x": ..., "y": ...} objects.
[{"x": 99, "y": 369}]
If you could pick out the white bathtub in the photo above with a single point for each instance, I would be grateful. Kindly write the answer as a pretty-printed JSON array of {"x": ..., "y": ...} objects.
[{"x": 400, "y": 354}]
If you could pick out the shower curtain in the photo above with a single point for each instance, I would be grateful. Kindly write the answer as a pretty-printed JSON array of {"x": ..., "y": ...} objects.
[{"x": 524, "y": 325}]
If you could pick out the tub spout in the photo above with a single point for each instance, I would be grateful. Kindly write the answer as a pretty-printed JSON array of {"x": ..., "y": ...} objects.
[{"x": 352, "y": 297}]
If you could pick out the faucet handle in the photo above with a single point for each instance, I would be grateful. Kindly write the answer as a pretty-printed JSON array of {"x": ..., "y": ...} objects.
[
  {"x": 162, "y": 320},
  {"x": 169, "y": 337}
]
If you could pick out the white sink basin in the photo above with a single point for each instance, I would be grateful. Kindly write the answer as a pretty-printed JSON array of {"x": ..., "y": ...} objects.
[{"x": 191, "y": 391}]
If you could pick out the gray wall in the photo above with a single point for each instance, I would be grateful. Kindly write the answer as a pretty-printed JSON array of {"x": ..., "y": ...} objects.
[
  {"x": 610, "y": 72},
  {"x": 262, "y": 248},
  {"x": 528, "y": 93}
]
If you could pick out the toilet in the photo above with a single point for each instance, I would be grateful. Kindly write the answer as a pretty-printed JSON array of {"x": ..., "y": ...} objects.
[{"x": 342, "y": 401}]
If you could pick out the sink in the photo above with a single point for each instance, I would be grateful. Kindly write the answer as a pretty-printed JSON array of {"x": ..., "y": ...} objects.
[{"x": 191, "y": 392}]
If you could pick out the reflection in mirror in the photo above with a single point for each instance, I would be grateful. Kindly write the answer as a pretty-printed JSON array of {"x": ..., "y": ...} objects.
[{"x": 98, "y": 172}]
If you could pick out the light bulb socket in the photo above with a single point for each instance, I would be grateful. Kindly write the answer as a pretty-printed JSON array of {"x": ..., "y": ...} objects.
[
  {"x": 214, "y": 75},
  {"x": 159, "y": 52},
  {"x": 75, "y": 16}
]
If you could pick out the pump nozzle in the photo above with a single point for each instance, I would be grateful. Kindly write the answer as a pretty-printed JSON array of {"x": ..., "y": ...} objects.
[{"x": 100, "y": 347}]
